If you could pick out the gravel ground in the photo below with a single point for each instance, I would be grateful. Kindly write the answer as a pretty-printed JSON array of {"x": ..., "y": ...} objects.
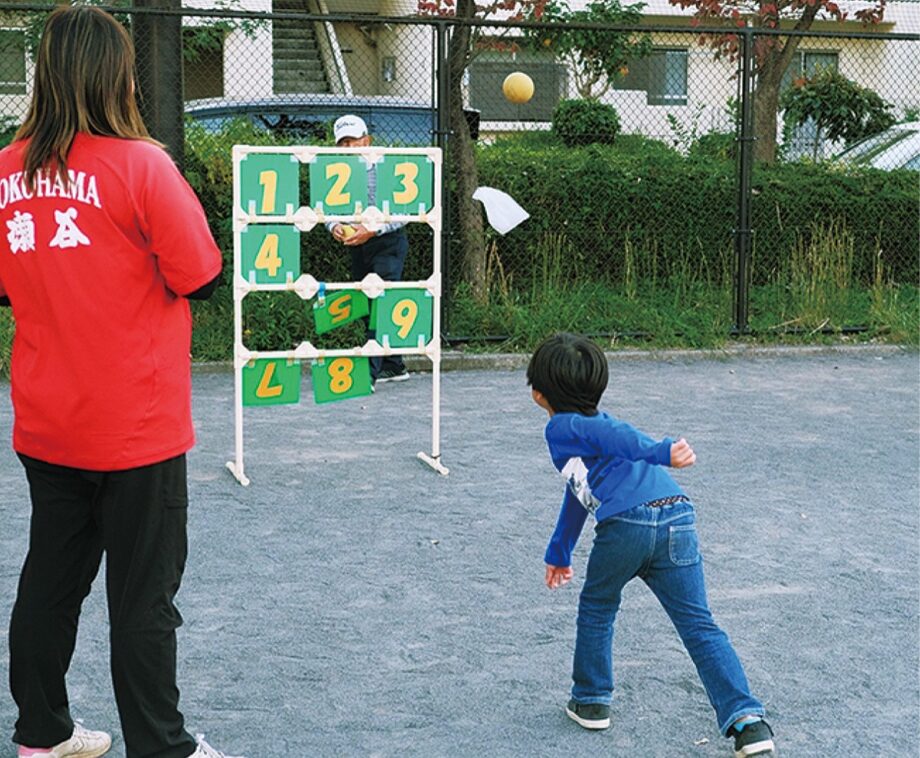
[{"x": 351, "y": 602}]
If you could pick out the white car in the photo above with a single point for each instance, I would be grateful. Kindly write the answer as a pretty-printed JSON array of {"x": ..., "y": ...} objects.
[{"x": 897, "y": 147}]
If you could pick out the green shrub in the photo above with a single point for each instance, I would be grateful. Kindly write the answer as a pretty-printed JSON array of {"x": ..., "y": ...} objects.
[{"x": 583, "y": 122}]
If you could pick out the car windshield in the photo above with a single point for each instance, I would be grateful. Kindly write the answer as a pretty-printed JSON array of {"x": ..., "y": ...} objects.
[{"x": 863, "y": 152}]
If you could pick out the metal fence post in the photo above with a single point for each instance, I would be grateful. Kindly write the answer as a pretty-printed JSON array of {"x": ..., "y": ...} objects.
[
  {"x": 743, "y": 232},
  {"x": 158, "y": 40},
  {"x": 442, "y": 135}
]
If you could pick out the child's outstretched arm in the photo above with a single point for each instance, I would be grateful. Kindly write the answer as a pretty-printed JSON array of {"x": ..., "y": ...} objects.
[
  {"x": 558, "y": 557},
  {"x": 682, "y": 454}
]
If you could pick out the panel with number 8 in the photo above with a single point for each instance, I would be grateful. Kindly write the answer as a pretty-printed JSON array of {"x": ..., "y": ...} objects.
[
  {"x": 340, "y": 378},
  {"x": 403, "y": 315},
  {"x": 269, "y": 184},
  {"x": 270, "y": 254},
  {"x": 271, "y": 381}
]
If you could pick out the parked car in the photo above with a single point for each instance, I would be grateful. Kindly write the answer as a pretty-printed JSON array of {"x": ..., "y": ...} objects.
[
  {"x": 897, "y": 147},
  {"x": 392, "y": 121}
]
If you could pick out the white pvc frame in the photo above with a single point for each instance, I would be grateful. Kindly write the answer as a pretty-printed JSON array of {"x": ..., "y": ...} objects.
[{"x": 306, "y": 286}]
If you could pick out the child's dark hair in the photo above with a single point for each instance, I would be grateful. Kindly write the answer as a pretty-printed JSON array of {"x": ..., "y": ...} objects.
[{"x": 570, "y": 371}]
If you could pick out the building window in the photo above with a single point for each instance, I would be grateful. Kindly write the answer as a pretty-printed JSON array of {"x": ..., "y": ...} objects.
[
  {"x": 662, "y": 75},
  {"x": 488, "y": 72},
  {"x": 808, "y": 63},
  {"x": 12, "y": 62}
]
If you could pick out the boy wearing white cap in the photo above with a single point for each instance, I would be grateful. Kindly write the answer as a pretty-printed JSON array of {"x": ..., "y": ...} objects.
[{"x": 382, "y": 252}]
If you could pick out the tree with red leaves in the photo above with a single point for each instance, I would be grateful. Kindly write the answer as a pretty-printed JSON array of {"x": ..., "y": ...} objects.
[{"x": 772, "y": 54}]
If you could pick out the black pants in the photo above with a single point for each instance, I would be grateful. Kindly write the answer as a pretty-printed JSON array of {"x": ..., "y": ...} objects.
[
  {"x": 138, "y": 519},
  {"x": 384, "y": 256}
]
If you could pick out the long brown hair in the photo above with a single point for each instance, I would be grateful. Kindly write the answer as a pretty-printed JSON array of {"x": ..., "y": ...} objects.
[{"x": 84, "y": 82}]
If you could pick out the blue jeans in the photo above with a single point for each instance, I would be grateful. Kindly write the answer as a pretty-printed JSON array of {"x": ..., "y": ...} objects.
[{"x": 660, "y": 546}]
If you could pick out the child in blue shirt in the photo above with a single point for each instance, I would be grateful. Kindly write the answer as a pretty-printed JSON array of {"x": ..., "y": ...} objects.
[{"x": 645, "y": 528}]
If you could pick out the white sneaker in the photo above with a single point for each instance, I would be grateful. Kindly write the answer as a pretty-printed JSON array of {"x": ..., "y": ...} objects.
[
  {"x": 82, "y": 744},
  {"x": 204, "y": 750}
]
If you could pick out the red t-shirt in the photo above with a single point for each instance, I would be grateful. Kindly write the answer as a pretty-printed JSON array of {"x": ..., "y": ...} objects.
[{"x": 94, "y": 268}]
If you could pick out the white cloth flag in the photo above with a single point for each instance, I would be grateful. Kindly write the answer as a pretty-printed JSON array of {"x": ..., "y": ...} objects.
[{"x": 502, "y": 211}]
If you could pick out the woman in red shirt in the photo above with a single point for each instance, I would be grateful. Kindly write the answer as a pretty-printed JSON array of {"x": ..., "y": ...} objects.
[{"x": 101, "y": 243}]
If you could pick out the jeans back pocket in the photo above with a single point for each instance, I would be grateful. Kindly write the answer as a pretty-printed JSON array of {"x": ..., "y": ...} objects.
[{"x": 683, "y": 545}]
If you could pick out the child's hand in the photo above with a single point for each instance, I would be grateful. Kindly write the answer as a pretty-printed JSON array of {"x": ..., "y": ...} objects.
[
  {"x": 556, "y": 576},
  {"x": 682, "y": 454}
]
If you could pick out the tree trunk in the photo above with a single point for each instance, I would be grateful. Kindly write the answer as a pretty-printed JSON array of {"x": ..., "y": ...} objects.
[
  {"x": 772, "y": 65},
  {"x": 461, "y": 162}
]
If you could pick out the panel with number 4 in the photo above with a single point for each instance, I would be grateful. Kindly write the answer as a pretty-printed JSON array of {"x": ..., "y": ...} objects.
[{"x": 270, "y": 254}]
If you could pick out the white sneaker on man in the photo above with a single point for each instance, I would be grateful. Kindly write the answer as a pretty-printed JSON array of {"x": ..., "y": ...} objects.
[
  {"x": 82, "y": 744},
  {"x": 204, "y": 750}
]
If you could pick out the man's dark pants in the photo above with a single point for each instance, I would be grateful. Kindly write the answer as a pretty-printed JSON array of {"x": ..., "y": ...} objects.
[
  {"x": 384, "y": 256},
  {"x": 138, "y": 519}
]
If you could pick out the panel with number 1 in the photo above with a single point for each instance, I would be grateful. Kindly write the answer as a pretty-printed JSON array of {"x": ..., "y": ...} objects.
[{"x": 269, "y": 184}]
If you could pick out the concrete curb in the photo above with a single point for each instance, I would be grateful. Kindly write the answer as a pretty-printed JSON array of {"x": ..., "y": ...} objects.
[{"x": 457, "y": 360}]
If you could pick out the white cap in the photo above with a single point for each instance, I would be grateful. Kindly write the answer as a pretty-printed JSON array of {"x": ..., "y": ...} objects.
[{"x": 349, "y": 126}]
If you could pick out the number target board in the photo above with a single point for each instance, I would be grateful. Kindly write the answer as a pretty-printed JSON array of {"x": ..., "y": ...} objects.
[{"x": 282, "y": 193}]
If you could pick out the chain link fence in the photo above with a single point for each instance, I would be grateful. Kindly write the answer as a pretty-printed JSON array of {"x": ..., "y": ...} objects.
[{"x": 672, "y": 192}]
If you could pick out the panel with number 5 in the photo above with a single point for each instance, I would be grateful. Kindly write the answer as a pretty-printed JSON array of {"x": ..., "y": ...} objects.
[
  {"x": 403, "y": 316},
  {"x": 340, "y": 378},
  {"x": 270, "y": 254}
]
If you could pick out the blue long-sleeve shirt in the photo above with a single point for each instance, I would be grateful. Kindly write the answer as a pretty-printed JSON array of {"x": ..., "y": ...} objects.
[{"x": 609, "y": 467}]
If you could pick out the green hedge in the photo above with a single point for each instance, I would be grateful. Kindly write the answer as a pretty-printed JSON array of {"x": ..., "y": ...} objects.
[{"x": 675, "y": 214}]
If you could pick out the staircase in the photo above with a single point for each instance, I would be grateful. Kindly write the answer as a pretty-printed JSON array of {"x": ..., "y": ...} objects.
[{"x": 297, "y": 65}]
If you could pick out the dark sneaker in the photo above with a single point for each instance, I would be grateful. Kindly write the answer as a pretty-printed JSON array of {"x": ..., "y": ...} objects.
[
  {"x": 393, "y": 375},
  {"x": 754, "y": 739},
  {"x": 589, "y": 715}
]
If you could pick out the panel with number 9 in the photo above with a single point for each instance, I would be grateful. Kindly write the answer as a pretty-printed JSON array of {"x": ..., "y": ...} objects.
[{"x": 403, "y": 315}]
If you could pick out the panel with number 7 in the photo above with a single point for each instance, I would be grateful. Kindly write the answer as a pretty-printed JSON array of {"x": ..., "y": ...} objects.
[
  {"x": 403, "y": 315},
  {"x": 270, "y": 254},
  {"x": 340, "y": 378},
  {"x": 271, "y": 381},
  {"x": 405, "y": 184}
]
